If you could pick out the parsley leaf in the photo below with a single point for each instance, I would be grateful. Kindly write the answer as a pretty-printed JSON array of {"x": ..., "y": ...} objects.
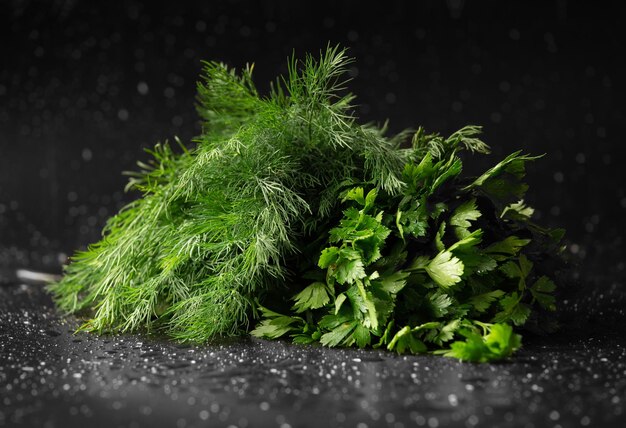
[
  {"x": 463, "y": 217},
  {"x": 512, "y": 310},
  {"x": 499, "y": 343},
  {"x": 482, "y": 302},
  {"x": 445, "y": 269},
  {"x": 276, "y": 325},
  {"x": 404, "y": 340},
  {"x": 541, "y": 291},
  {"x": 312, "y": 297}
]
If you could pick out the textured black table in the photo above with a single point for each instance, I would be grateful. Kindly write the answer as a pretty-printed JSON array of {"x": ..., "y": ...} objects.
[{"x": 51, "y": 377}]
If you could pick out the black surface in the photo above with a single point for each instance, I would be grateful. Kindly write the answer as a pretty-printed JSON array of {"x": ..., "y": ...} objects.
[
  {"x": 85, "y": 86},
  {"x": 53, "y": 378}
]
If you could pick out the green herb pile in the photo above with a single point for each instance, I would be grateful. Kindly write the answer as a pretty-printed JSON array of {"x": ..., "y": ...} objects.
[{"x": 290, "y": 215}]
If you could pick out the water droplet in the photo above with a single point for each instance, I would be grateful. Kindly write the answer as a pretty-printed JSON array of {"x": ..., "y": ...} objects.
[{"x": 142, "y": 88}]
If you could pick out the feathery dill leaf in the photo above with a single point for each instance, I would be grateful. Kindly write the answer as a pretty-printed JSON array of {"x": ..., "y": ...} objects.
[{"x": 218, "y": 223}]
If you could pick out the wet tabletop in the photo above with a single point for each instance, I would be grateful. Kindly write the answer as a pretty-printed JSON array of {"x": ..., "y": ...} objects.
[{"x": 51, "y": 377}]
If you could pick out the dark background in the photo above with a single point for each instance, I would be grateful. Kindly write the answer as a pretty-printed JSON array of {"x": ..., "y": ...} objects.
[{"x": 85, "y": 86}]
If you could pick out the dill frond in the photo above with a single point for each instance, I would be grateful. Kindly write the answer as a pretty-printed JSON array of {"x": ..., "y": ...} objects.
[{"x": 219, "y": 223}]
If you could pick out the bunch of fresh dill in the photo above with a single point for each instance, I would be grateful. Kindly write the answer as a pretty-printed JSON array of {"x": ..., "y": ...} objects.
[{"x": 288, "y": 196}]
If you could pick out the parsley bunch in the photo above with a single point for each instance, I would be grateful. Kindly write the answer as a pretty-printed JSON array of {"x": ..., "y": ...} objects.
[
  {"x": 288, "y": 210},
  {"x": 445, "y": 258}
]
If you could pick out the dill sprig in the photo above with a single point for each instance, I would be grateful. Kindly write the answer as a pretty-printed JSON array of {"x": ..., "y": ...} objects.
[{"x": 217, "y": 223}]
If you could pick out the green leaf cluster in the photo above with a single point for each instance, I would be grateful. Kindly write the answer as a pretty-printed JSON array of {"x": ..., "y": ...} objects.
[
  {"x": 496, "y": 343},
  {"x": 289, "y": 214},
  {"x": 446, "y": 265}
]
